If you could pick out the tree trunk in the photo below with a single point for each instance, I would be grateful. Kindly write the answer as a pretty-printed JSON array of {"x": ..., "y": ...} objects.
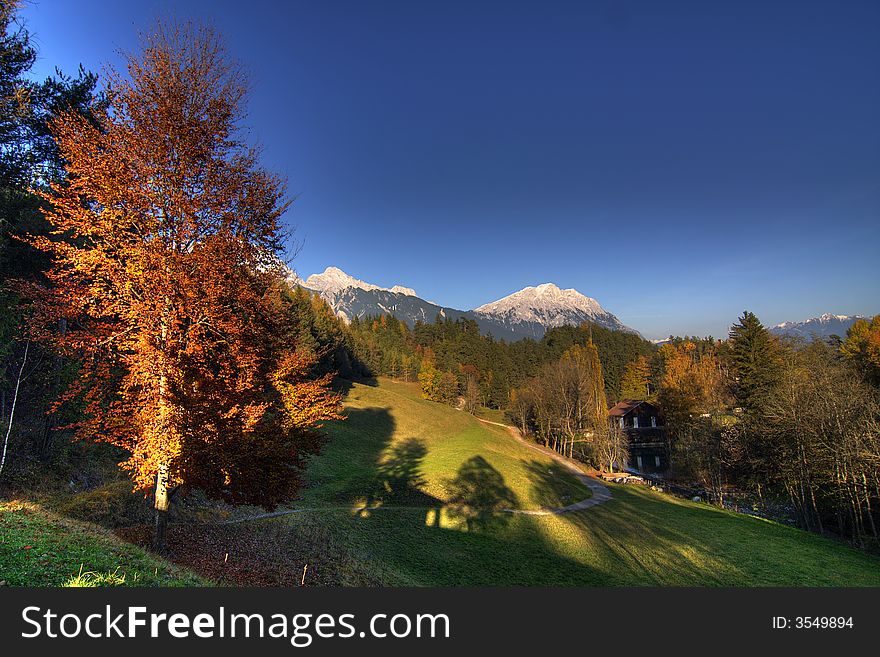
[
  {"x": 12, "y": 410},
  {"x": 160, "y": 503},
  {"x": 161, "y": 511},
  {"x": 868, "y": 503},
  {"x": 48, "y": 444}
]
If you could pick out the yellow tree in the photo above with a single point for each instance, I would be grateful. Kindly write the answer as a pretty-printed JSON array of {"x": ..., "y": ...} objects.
[
  {"x": 636, "y": 380},
  {"x": 862, "y": 346},
  {"x": 429, "y": 375},
  {"x": 165, "y": 235},
  {"x": 692, "y": 384}
]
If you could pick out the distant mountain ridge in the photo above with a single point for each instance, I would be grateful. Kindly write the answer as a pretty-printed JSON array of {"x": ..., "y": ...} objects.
[
  {"x": 333, "y": 281},
  {"x": 524, "y": 314},
  {"x": 820, "y": 327},
  {"x": 533, "y": 310}
]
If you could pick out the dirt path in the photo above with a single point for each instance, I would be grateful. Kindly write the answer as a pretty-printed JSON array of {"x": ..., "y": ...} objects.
[{"x": 600, "y": 493}]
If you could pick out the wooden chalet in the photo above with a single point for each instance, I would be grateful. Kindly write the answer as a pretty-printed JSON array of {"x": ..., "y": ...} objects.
[{"x": 642, "y": 422}]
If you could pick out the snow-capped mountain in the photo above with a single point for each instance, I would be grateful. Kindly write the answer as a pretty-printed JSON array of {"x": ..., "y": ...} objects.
[
  {"x": 350, "y": 297},
  {"x": 525, "y": 314},
  {"x": 333, "y": 281},
  {"x": 533, "y": 310},
  {"x": 817, "y": 327},
  {"x": 356, "y": 302}
]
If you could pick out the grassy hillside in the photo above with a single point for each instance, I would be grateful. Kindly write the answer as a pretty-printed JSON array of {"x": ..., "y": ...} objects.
[
  {"x": 391, "y": 500},
  {"x": 399, "y": 451},
  {"x": 491, "y": 414},
  {"x": 39, "y": 548}
]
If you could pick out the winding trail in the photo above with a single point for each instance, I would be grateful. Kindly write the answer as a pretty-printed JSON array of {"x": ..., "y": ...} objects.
[{"x": 600, "y": 492}]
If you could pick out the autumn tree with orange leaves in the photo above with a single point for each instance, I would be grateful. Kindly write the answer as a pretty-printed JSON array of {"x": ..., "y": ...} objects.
[{"x": 164, "y": 284}]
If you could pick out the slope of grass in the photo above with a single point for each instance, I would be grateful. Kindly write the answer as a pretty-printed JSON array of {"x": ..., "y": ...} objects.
[
  {"x": 398, "y": 449},
  {"x": 383, "y": 506},
  {"x": 640, "y": 537},
  {"x": 491, "y": 414},
  {"x": 39, "y": 548}
]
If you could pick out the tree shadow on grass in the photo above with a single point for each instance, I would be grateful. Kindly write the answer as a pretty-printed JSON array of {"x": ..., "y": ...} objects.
[
  {"x": 401, "y": 468},
  {"x": 399, "y": 478},
  {"x": 344, "y": 385},
  {"x": 553, "y": 486},
  {"x": 478, "y": 495},
  {"x": 347, "y": 470}
]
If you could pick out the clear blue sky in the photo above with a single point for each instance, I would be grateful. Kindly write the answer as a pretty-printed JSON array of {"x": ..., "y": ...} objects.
[{"x": 677, "y": 161}]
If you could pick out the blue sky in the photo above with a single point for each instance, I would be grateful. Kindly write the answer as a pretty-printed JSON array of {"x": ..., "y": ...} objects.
[{"x": 678, "y": 161}]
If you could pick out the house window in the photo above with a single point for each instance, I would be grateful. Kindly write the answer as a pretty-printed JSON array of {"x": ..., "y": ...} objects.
[
  {"x": 657, "y": 461},
  {"x": 639, "y": 462},
  {"x": 653, "y": 421},
  {"x": 635, "y": 421}
]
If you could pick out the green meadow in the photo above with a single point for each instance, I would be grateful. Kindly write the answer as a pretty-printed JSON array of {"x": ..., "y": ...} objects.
[
  {"x": 640, "y": 537},
  {"x": 399, "y": 497}
]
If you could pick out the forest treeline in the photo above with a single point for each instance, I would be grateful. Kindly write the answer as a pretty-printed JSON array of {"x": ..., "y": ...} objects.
[
  {"x": 792, "y": 424},
  {"x": 451, "y": 357}
]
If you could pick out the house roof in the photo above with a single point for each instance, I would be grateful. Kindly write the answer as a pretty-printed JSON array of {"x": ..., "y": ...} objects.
[{"x": 625, "y": 407}]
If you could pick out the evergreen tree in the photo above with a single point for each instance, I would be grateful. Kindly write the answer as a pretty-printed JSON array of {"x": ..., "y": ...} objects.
[
  {"x": 29, "y": 160},
  {"x": 754, "y": 358}
]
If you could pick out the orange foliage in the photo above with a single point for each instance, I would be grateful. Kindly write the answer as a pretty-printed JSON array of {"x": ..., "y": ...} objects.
[
  {"x": 165, "y": 234},
  {"x": 862, "y": 346},
  {"x": 691, "y": 384}
]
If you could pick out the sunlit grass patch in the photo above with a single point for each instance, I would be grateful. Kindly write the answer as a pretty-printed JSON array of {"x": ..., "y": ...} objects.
[
  {"x": 92, "y": 580},
  {"x": 40, "y": 548}
]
